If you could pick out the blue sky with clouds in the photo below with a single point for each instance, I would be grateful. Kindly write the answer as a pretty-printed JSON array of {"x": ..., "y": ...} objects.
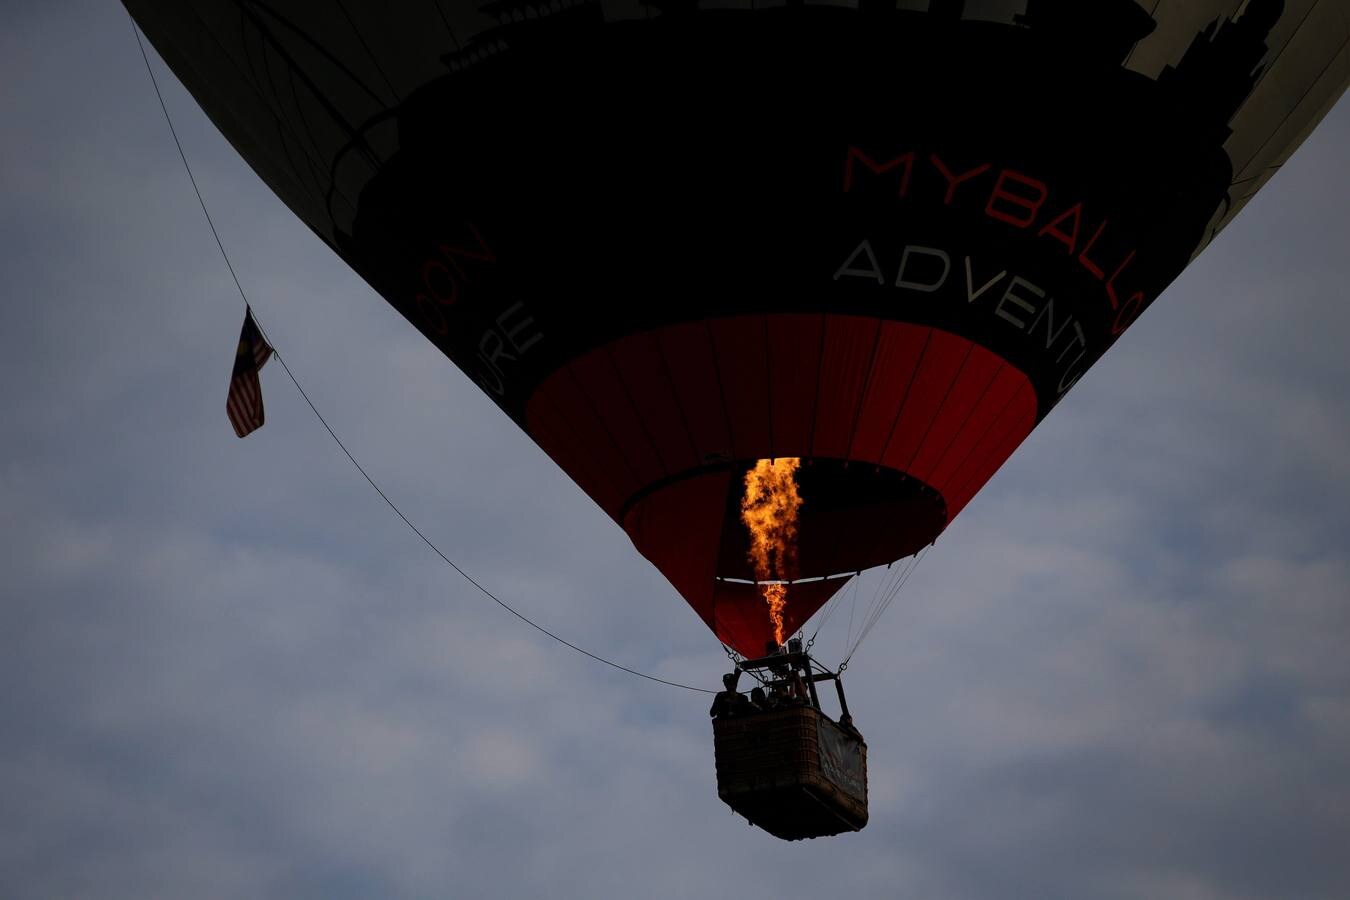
[{"x": 226, "y": 670}]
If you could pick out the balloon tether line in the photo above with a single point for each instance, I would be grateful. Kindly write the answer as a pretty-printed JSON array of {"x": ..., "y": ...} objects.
[{"x": 343, "y": 447}]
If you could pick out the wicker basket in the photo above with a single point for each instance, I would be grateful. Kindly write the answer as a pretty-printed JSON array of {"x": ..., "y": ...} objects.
[{"x": 793, "y": 772}]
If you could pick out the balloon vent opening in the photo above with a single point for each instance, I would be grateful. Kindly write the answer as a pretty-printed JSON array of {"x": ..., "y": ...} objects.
[{"x": 844, "y": 518}]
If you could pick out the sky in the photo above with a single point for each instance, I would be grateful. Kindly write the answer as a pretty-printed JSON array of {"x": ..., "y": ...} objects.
[{"x": 227, "y": 670}]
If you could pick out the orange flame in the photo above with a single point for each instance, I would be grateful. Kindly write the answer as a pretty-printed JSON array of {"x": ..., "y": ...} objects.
[{"x": 769, "y": 511}]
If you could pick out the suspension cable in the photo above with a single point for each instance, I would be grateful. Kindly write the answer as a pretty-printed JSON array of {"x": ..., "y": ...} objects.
[
  {"x": 892, "y": 594},
  {"x": 835, "y": 603}
]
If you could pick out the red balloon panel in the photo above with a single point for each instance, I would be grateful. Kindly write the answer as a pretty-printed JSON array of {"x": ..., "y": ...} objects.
[{"x": 897, "y": 425}]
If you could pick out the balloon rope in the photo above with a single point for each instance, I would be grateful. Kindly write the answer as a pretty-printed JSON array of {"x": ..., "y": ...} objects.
[
  {"x": 343, "y": 447},
  {"x": 890, "y": 596},
  {"x": 834, "y": 603},
  {"x": 852, "y": 608},
  {"x": 183, "y": 156}
]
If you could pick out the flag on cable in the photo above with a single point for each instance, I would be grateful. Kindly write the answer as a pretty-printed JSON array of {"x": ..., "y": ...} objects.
[{"x": 244, "y": 405}]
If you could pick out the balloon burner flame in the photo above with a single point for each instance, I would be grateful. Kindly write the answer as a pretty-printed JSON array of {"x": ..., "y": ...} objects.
[{"x": 769, "y": 511}]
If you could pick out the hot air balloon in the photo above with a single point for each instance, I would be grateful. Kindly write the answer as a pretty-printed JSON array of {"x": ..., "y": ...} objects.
[{"x": 673, "y": 239}]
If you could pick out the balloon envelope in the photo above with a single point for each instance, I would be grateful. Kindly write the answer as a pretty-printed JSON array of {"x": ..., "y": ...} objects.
[{"x": 670, "y": 239}]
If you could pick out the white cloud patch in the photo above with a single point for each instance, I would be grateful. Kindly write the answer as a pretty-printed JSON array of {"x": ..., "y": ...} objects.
[{"x": 226, "y": 669}]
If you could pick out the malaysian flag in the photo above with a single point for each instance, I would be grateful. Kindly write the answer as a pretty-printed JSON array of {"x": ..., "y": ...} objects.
[{"x": 244, "y": 405}]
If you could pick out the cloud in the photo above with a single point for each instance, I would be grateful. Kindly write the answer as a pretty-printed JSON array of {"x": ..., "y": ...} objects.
[{"x": 227, "y": 670}]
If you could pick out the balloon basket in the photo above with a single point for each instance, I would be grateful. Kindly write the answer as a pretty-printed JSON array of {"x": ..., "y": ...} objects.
[{"x": 785, "y": 765}]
